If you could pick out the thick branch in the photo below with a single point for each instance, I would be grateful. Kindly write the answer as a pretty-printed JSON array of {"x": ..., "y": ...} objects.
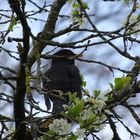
[
  {"x": 19, "y": 111},
  {"x": 47, "y": 33}
]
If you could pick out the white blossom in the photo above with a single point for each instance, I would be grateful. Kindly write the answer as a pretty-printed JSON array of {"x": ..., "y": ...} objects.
[
  {"x": 62, "y": 138},
  {"x": 102, "y": 97},
  {"x": 11, "y": 133},
  {"x": 87, "y": 113},
  {"x": 138, "y": 5},
  {"x": 99, "y": 123},
  {"x": 60, "y": 127},
  {"x": 40, "y": 138},
  {"x": 133, "y": 19},
  {"x": 100, "y": 102},
  {"x": 80, "y": 133},
  {"x": 99, "y": 105},
  {"x": 91, "y": 100}
]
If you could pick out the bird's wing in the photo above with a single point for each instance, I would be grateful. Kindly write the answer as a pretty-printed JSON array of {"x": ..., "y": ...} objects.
[
  {"x": 76, "y": 81},
  {"x": 45, "y": 84}
]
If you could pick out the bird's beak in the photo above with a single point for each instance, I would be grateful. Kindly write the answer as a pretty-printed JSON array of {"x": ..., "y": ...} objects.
[
  {"x": 79, "y": 55},
  {"x": 76, "y": 56}
]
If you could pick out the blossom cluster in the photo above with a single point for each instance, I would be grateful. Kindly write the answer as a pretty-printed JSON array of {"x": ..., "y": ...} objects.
[
  {"x": 61, "y": 127},
  {"x": 88, "y": 114}
]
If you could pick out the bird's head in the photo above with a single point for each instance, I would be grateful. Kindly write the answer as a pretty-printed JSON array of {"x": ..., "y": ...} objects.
[{"x": 64, "y": 56}]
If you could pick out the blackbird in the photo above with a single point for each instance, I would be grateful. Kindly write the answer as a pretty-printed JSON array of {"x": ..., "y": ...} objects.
[{"x": 62, "y": 77}]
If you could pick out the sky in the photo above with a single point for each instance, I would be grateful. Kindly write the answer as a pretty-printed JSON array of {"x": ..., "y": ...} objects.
[{"x": 107, "y": 17}]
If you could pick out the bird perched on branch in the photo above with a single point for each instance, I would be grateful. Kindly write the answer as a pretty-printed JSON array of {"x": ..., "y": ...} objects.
[{"x": 62, "y": 77}]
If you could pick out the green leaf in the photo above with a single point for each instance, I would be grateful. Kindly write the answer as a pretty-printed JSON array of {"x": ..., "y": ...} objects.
[
  {"x": 126, "y": 1},
  {"x": 75, "y": 5},
  {"x": 75, "y": 13},
  {"x": 84, "y": 83},
  {"x": 96, "y": 93},
  {"x": 72, "y": 137},
  {"x": 138, "y": 17},
  {"x": 89, "y": 122},
  {"x": 12, "y": 23},
  {"x": 111, "y": 85},
  {"x": 72, "y": 96},
  {"x": 85, "y": 6},
  {"x": 86, "y": 92},
  {"x": 70, "y": 1},
  {"x": 76, "y": 109},
  {"x": 120, "y": 83},
  {"x": 49, "y": 135}
]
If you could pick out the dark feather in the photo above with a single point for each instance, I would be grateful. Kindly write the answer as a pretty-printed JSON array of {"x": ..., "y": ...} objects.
[{"x": 64, "y": 76}]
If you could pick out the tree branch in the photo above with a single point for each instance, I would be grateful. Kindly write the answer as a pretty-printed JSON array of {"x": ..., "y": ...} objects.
[{"x": 48, "y": 30}]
